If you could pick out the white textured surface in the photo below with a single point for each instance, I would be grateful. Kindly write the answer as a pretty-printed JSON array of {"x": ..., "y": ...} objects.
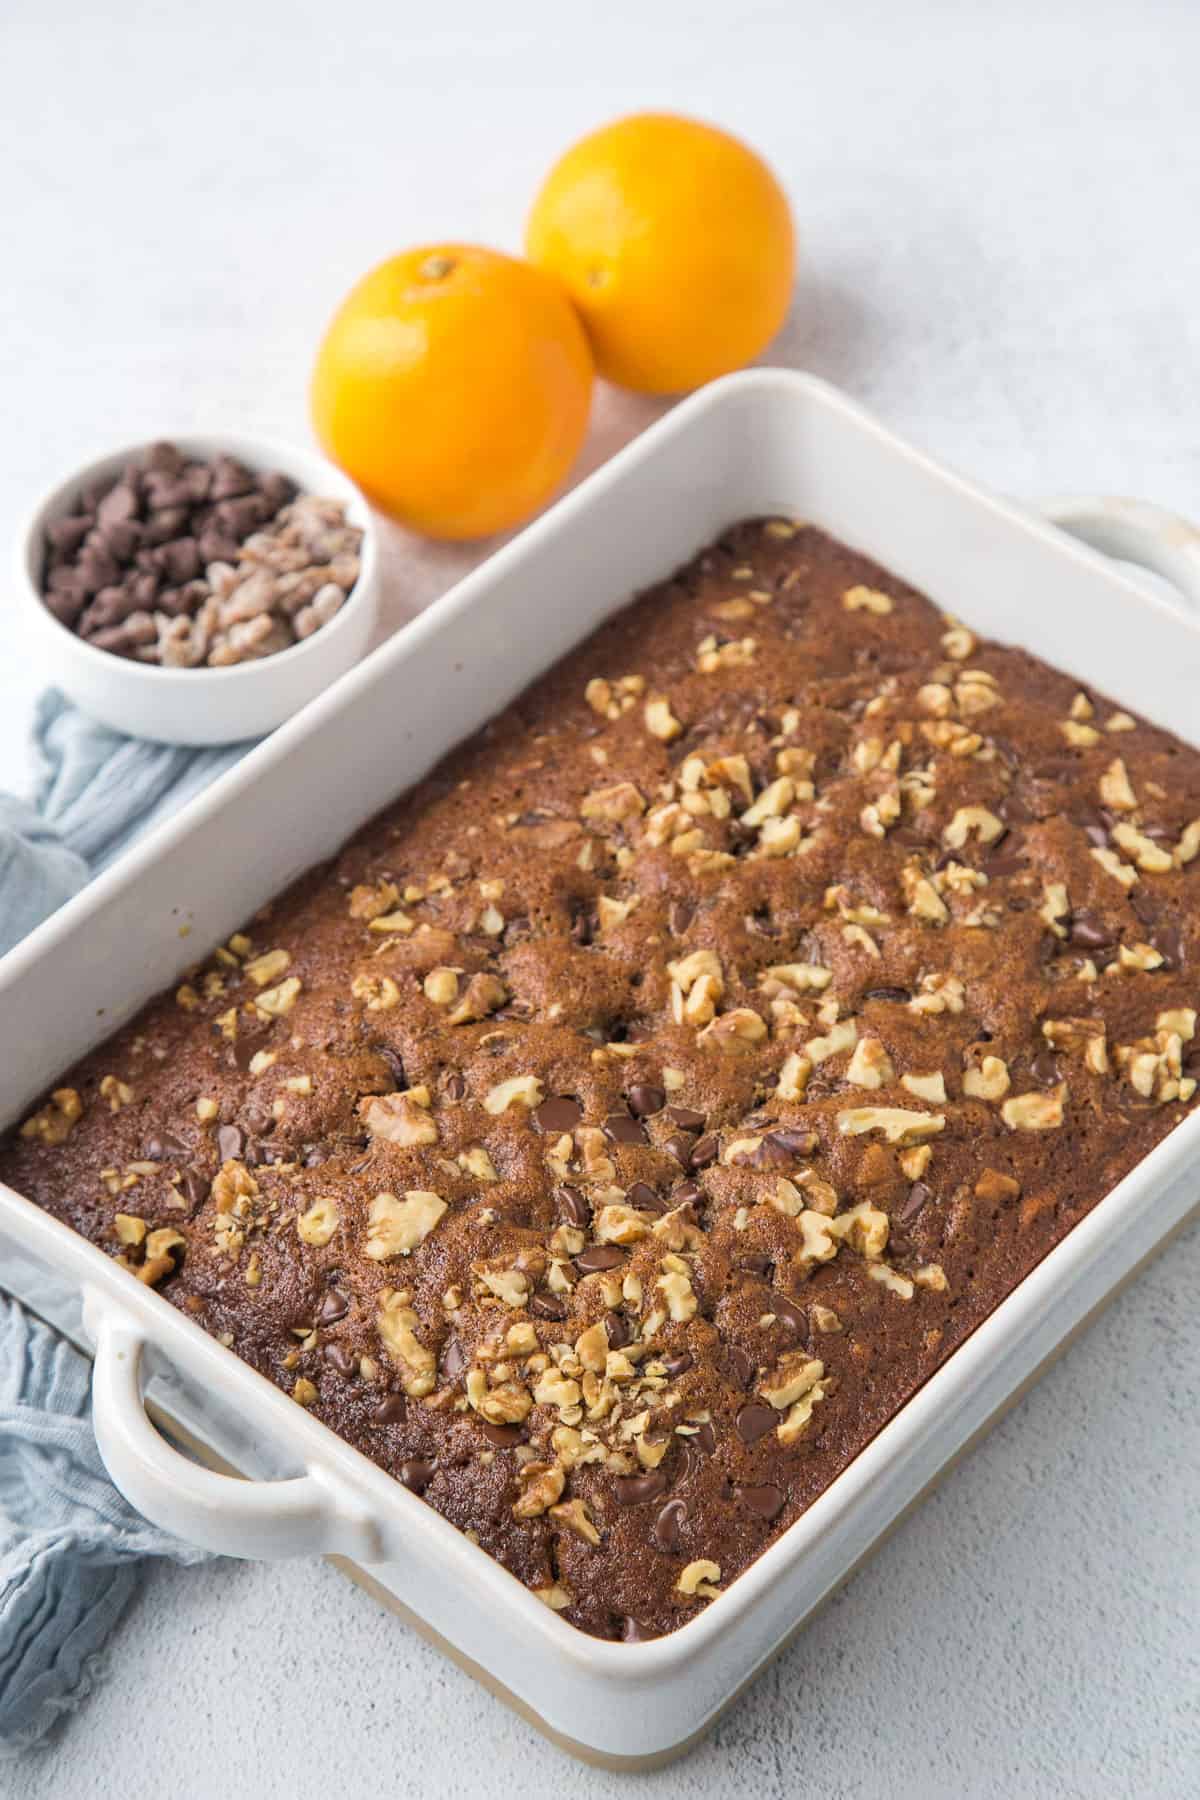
[{"x": 998, "y": 209}]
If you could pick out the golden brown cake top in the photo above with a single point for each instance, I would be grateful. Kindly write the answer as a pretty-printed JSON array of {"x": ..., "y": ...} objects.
[{"x": 632, "y": 1117}]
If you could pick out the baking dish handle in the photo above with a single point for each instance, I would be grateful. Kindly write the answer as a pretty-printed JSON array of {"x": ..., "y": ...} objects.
[
  {"x": 308, "y": 1515},
  {"x": 1136, "y": 532}
]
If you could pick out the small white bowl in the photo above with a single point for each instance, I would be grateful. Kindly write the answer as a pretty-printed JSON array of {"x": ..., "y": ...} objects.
[{"x": 202, "y": 706}]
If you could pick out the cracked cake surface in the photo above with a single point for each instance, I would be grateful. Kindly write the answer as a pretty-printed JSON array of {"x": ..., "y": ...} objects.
[{"x": 616, "y": 1133}]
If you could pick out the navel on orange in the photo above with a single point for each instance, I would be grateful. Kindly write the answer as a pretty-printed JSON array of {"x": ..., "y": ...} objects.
[
  {"x": 675, "y": 242},
  {"x": 453, "y": 385}
]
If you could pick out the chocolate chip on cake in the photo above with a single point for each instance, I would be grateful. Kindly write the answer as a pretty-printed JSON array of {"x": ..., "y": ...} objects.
[
  {"x": 668, "y": 1526},
  {"x": 645, "y": 1099},
  {"x": 736, "y": 1366},
  {"x": 343, "y": 1361},
  {"x": 602, "y": 1256},
  {"x": 686, "y": 1118},
  {"x": 573, "y": 1206},
  {"x": 793, "y": 1318},
  {"x": 416, "y": 1472},
  {"x": 502, "y": 1436},
  {"x": 623, "y": 1128},
  {"x": 766, "y": 1500},
  {"x": 1089, "y": 930},
  {"x": 560, "y": 1113},
  {"x": 754, "y": 1422},
  {"x": 334, "y": 1306},
  {"x": 635, "y": 1490}
]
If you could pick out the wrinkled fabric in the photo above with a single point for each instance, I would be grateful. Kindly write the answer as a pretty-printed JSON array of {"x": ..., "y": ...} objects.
[
  {"x": 95, "y": 792},
  {"x": 71, "y": 1550}
]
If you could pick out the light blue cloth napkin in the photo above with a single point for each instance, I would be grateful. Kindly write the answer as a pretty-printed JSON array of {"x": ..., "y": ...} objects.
[
  {"x": 96, "y": 791},
  {"x": 70, "y": 1548}
]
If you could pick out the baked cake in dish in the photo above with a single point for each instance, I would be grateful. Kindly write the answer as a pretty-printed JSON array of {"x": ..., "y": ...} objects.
[{"x": 621, "y": 1128}]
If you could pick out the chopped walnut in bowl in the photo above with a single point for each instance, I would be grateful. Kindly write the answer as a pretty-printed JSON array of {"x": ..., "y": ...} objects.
[{"x": 200, "y": 590}]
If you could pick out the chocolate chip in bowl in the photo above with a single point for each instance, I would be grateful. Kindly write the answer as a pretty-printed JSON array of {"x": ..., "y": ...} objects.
[
  {"x": 186, "y": 562},
  {"x": 200, "y": 590}
]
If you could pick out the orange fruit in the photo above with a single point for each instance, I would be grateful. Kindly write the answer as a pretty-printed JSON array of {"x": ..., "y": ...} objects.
[
  {"x": 453, "y": 385},
  {"x": 675, "y": 242}
]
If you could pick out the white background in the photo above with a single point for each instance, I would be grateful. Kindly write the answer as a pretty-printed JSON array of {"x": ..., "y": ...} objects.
[{"x": 999, "y": 209}]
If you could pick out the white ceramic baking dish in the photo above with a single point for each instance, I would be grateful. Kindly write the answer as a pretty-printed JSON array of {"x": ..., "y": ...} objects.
[{"x": 772, "y": 442}]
